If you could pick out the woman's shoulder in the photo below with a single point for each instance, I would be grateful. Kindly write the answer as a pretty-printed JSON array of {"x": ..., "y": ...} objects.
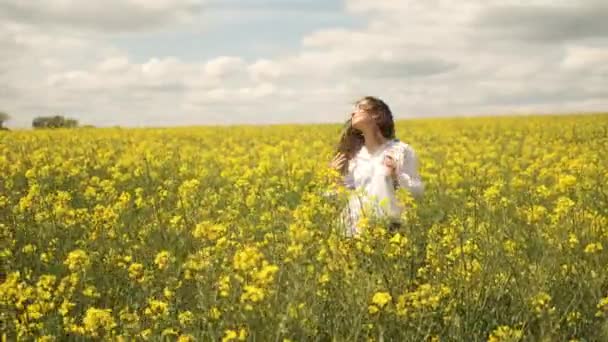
[
  {"x": 402, "y": 146},
  {"x": 403, "y": 150}
]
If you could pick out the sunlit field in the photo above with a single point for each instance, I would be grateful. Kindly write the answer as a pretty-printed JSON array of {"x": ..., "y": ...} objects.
[{"x": 227, "y": 233}]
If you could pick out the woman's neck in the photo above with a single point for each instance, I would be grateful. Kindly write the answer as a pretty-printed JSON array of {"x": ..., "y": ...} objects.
[{"x": 373, "y": 140}]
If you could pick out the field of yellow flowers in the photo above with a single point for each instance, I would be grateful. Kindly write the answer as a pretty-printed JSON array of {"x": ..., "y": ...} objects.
[{"x": 224, "y": 233}]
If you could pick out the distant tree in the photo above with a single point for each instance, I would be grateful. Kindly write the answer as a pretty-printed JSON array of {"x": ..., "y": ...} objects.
[
  {"x": 56, "y": 121},
  {"x": 3, "y": 117},
  {"x": 39, "y": 122},
  {"x": 71, "y": 123}
]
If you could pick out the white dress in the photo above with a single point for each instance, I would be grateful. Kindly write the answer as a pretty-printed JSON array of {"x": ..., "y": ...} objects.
[{"x": 373, "y": 191}]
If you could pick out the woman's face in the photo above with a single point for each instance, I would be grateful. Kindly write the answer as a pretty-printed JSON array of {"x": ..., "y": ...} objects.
[{"x": 362, "y": 119}]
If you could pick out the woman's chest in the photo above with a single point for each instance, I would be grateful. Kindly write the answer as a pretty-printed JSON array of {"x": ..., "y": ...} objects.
[{"x": 365, "y": 170}]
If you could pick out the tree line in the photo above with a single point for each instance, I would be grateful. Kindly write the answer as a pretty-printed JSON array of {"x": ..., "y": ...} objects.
[
  {"x": 3, "y": 117},
  {"x": 55, "y": 121}
]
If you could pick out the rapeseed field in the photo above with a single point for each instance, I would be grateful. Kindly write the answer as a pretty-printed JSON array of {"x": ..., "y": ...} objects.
[{"x": 226, "y": 233}]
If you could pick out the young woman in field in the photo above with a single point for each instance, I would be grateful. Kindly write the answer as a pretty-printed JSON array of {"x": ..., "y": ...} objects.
[{"x": 374, "y": 164}]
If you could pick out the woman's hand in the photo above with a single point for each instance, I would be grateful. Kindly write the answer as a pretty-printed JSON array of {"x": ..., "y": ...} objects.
[
  {"x": 391, "y": 166},
  {"x": 392, "y": 170},
  {"x": 338, "y": 161}
]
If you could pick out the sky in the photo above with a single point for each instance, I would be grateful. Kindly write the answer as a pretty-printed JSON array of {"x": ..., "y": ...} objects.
[{"x": 220, "y": 62}]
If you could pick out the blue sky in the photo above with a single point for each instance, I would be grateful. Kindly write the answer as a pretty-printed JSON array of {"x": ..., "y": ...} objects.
[
  {"x": 250, "y": 29},
  {"x": 197, "y": 62}
]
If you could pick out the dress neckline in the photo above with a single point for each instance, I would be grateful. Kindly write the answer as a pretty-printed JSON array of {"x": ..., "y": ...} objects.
[{"x": 379, "y": 149}]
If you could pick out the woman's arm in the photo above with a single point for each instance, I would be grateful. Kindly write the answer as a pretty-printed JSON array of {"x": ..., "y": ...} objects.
[
  {"x": 349, "y": 180},
  {"x": 407, "y": 175}
]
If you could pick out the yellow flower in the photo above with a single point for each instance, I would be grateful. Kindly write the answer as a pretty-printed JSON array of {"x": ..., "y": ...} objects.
[
  {"x": 572, "y": 240},
  {"x": 602, "y": 307},
  {"x": 77, "y": 260},
  {"x": 169, "y": 332},
  {"x": 224, "y": 286},
  {"x": 229, "y": 335},
  {"x": 145, "y": 334},
  {"x": 266, "y": 275},
  {"x": 215, "y": 313},
  {"x": 324, "y": 278},
  {"x": 541, "y": 304},
  {"x": 573, "y": 317},
  {"x": 168, "y": 293},
  {"x": 185, "y": 318},
  {"x": 65, "y": 307},
  {"x": 247, "y": 258},
  {"x": 91, "y": 291},
  {"x": 162, "y": 260},
  {"x": 45, "y": 258},
  {"x": 381, "y": 299},
  {"x": 593, "y": 248},
  {"x": 372, "y": 309},
  {"x": 509, "y": 247},
  {"x": 252, "y": 293},
  {"x": 233, "y": 335},
  {"x": 28, "y": 249},
  {"x": 97, "y": 321},
  {"x": 535, "y": 214},
  {"x": 492, "y": 193},
  {"x": 208, "y": 230},
  {"x": 156, "y": 308},
  {"x": 398, "y": 239},
  {"x": 136, "y": 272},
  {"x": 563, "y": 206},
  {"x": 129, "y": 320},
  {"x": 242, "y": 334},
  {"x": 566, "y": 182},
  {"x": 186, "y": 338},
  {"x": 505, "y": 334}
]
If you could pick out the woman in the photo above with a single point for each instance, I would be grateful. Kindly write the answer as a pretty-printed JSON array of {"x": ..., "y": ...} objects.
[{"x": 374, "y": 163}]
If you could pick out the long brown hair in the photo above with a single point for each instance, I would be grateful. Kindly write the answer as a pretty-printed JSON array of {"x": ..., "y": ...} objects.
[{"x": 351, "y": 139}]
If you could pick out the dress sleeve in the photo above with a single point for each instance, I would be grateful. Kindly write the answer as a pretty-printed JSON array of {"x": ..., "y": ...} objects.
[
  {"x": 349, "y": 177},
  {"x": 407, "y": 172}
]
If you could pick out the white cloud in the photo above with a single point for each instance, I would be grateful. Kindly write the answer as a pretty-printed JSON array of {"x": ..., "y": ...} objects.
[
  {"x": 264, "y": 69},
  {"x": 584, "y": 57},
  {"x": 224, "y": 66},
  {"x": 426, "y": 58},
  {"x": 107, "y": 15},
  {"x": 117, "y": 64},
  {"x": 542, "y": 22}
]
